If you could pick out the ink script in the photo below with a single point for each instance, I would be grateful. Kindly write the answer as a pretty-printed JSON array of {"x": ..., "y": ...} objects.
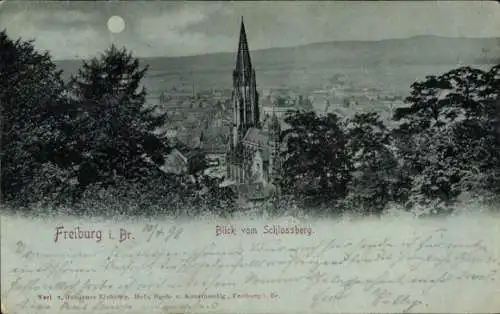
[{"x": 359, "y": 266}]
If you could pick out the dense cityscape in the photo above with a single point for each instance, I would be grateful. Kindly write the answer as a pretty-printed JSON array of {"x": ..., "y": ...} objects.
[{"x": 202, "y": 118}]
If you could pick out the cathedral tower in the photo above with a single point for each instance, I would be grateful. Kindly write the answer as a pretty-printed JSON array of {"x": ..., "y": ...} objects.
[
  {"x": 274, "y": 143},
  {"x": 244, "y": 96}
]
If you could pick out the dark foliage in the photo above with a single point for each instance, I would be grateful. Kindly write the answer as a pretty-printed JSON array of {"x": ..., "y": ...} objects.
[
  {"x": 316, "y": 166},
  {"x": 33, "y": 111},
  {"x": 92, "y": 144},
  {"x": 374, "y": 167},
  {"x": 111, "y": 134},
  {"x": 447, "y": 141}
]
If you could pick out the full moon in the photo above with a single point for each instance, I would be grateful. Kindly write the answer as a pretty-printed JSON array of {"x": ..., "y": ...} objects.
[{"x": 116, "y": 24}]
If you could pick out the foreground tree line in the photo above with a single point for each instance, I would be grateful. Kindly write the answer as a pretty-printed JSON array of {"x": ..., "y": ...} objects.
[
  {"x": 444, "y": 150},
  {"x": 90, "y": 144}
]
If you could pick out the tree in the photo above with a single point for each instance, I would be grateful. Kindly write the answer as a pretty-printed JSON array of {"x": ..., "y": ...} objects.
[
  {"x": 217, "y": 199},
  {"x": 113, "y": 132},
  {"x": 33, "y": 111},
  {"x": 374, "y": 166},
  {"x": 489, "y": 121},
  {"x": 197, "y": 162},
  {"x": 446, "y": 140},
  {"x": 316, "y": 165},
  {"x": 441, "y": 99}
]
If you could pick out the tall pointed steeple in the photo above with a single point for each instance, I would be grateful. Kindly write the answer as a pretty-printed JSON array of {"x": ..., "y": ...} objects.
[
  {"x": 243, "y": 67},
  {"x": 246, "y": 112}
]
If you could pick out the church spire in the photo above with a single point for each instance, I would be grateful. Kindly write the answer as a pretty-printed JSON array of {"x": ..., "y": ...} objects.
[
  {"x": 243, "y": 62},
  {"x": 245, "y": 97}
]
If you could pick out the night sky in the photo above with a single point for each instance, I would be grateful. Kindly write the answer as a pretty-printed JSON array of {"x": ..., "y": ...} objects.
[{"x": 79, "y": 29}]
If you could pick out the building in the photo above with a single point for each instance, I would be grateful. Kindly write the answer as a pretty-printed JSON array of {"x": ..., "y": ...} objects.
[
  {"x": 175, "y": 162},
  {"x": 279, "y": 112},
  {"x": 253, "y": 150}
]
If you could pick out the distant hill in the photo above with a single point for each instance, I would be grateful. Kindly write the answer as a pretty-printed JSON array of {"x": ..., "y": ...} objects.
[{"x": 386, "y": 64}]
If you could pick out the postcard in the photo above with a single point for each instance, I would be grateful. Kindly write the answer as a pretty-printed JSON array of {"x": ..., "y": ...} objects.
[{"x": 250, "y": 157}]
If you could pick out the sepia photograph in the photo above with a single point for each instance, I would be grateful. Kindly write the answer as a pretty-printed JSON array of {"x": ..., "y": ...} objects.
[{"x": 250, "y": 156}]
